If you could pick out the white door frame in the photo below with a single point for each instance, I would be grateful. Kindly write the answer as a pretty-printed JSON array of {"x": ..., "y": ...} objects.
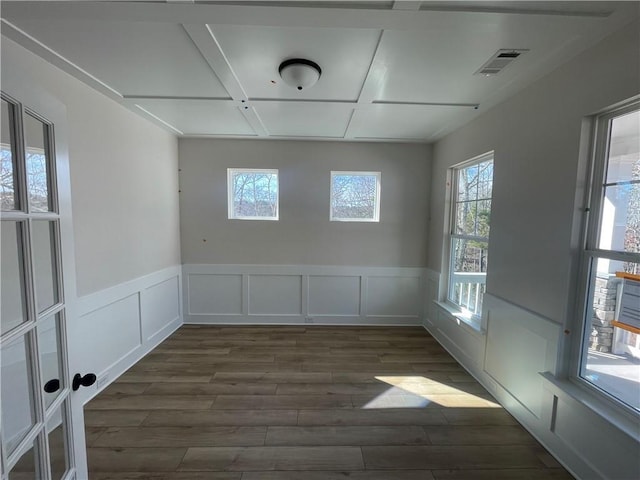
[{"x": 21, "y": 87}]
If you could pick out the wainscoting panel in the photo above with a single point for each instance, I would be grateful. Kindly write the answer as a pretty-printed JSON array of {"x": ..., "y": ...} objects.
[
  {"x": 160, "y": 307},
  {"x": 116, "y": 327},
  {"x": 334, "y": 296},
  {"x": 275, "y": 295},
  {"x": 394, "y": 296},
  {"x": 508, "y": 357},
  {"x": 108, "y": 334},
  {"x": 520, "y": 346},
  {"x": 584, "y": 432},
  {"x": 303, "y": 294},
  {"x": 215, "y": 294}
]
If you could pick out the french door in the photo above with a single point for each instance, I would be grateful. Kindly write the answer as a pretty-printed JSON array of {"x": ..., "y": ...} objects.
[{"x": 42, "y": 432}]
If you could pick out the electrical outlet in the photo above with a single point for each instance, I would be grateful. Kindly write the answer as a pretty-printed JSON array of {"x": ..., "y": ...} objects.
[{"x": 103, "y": 380}]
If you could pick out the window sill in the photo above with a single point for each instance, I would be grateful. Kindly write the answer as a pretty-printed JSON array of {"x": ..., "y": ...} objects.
[
  {"x": 567, "y": 389},
  {"x": 462, "y": 318}
]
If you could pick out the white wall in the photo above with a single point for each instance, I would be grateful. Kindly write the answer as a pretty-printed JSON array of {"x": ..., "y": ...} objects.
[
  {"x": 303, "y": 235},
  {"x": 303, "y": 268},
  {"x": 123, "y": 180},
  {"x": 536, "y": 136},
  {"x": 124, "y": 192}
]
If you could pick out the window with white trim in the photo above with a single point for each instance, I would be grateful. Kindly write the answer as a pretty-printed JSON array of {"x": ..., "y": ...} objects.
[
  {"x": 252, "y": 193},
  {"x": 355, "y": 197},
  {"x": 609, "y": 351},
  {"x": 472, "y": 185}
]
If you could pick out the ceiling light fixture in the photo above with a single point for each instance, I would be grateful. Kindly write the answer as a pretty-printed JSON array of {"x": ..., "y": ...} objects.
[{"x": 299, "y": 73}]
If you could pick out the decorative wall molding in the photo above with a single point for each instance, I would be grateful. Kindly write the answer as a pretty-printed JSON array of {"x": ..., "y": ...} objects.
[
  {"x": 118, "y": 326},
  {"x": 507, "y": 360},
  {"x": 302, "y": 294}
]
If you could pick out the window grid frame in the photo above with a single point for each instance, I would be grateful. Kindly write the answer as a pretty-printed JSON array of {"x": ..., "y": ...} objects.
[
  {"x": 376, "y": 207},
  {"x": 452, "y": 236},
  {"x": 231, "y": 193},
  {"x": 591, "y": 252}
]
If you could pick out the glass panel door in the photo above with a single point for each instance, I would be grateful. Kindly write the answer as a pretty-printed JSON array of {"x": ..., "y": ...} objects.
[{"x": 36, "y": 435}]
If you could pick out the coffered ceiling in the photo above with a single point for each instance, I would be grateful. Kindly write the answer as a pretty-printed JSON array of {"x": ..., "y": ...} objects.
[{"x": 399, "y": 71}]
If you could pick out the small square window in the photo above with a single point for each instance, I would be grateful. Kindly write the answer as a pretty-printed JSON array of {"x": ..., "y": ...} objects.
[
  {"x": 252, "y": 194},
  {"x": 355, "y": 196}
]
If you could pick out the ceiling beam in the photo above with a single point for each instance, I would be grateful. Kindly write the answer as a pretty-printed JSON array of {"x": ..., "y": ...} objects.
[
  {"x": 206, "y": 42},
  {"x": 277, "y": 16}
]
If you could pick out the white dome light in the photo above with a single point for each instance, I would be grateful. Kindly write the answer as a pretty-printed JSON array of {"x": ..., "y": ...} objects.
[{"x": 299, "y": 73}]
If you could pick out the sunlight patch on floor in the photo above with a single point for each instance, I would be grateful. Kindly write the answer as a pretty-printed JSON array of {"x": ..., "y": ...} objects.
[{"x": 420, "y": 392}]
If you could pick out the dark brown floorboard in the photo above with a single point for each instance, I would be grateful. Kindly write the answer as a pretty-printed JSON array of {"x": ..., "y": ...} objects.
[{"x": 305, "y": 403}]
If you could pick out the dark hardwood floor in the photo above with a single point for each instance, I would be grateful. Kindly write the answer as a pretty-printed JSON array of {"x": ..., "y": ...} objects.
[{"x": 305, "y": 403}]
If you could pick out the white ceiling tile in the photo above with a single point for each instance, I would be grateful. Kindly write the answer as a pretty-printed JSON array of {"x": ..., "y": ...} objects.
[
  {"x": 438, "y": 66},
  {"x": 406, "y": 121},
  {"x": 311, "y": 119},
  {"x": 199, "y": 117},
  {"x": 134, "y": 58},
  {"x": 255, "y": 53}
]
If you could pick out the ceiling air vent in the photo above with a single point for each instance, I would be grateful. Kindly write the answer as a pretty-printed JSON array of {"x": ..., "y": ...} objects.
[{"x": 499, "y": 61}]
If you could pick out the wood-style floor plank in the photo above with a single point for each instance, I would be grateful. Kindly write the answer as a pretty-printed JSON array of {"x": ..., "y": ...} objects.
[
  {"x": 134, "y": 459},
  {"x": 345, "y": 435},
  {"x": 182, "y": 436},
  {"x": 188, "y": 418},
  {"x": 272, "y": 458},
  {"x": 357, "y": 475},
  {"x": 438, "y": 457},
  {"x": 305, "y": 403}
]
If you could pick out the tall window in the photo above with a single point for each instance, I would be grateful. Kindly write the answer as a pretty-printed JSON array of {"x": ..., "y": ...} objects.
[
  {"x": 252, "y": 194},
  {"x": 472, "y": 183},
  {"x": 355, "y": 196},
  {"x": 610, "y": 347}
]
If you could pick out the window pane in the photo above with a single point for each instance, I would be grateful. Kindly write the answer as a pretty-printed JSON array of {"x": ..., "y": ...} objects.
[
  {"x": 354, "y": 196},
  {"x": 27, "y": 466},
  {"x": 49, "y": 348},
  {"x": 611, "y": 359},
  {"x": 620, "y": 220},
  {"x": 475, "y": 182},
  {"x": 624, "y": 149},
  {"x": 44, "y": 264},
  {"x": 472, "y": 218},
  {"x": 12, "y": 301},
  {"x": 7, "y": 159},
  {"x": 468, "y": 273},
  {"x": 17, "y": 397},
  {"x": 57, "y": 446},
  {"x": 37, "y": 154},
  {"x": 254, "y": 194}
]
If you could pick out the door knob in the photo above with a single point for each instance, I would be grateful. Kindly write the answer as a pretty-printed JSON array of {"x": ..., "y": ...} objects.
[
  {"x": 52, "y": 385},
  {"x": 86, "y": 381}
]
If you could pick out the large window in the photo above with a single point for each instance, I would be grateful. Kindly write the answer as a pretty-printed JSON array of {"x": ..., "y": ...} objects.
[
  {"x": 472, "y": 183},
  {"x": 253, "y": 194},
  {"x": 355, "y": 196},
  {"x": 610, "y": 347}
]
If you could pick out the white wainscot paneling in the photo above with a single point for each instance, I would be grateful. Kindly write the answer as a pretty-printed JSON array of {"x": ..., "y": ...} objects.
[
  {"x": 431, "y": 297},
  {"x": 462, "y": 341},
  {"x": 160, "y": 307},
  {"x": 108, "y": 334},
  {"x": 334, "y": 296},
  {"x": 604, "y": 448},
  {"x": 393, "y": 296},
  {"x": 520, "y": 345},
  {"x": 302, "y": 294},
  {"x": 275, "y": 295},
  {"x": 117, "y": 326},
  {"x": 215, "y": 294}
]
